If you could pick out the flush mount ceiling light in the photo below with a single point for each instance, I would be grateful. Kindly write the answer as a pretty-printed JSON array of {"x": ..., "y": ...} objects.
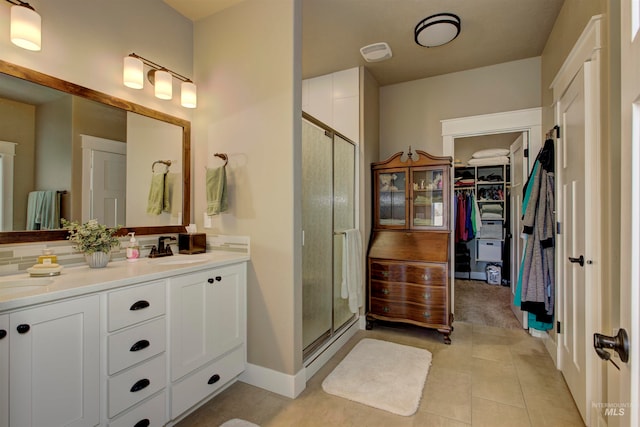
[
  {"x": 160, "y": 77},
  {"x": 25, "y": 26},
  {"x": 437, "y": 29},
  {"x": 376, "y": 52}
]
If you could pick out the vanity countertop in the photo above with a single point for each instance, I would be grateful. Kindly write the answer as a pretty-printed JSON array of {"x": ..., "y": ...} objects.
[{"x": 20, "y": 290}]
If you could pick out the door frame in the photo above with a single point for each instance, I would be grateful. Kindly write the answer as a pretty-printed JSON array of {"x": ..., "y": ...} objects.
[
  {"x": 586, "y": 50},
  {"x": 527, "y": 120}
]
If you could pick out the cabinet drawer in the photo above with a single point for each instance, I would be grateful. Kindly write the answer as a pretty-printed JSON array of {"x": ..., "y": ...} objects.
[
  {"x": 131, "y": 346},
  {"x": 132, "y": 386},
  {"x": 205, "y": 381},
  {"x": 431, "y": 314},
  {"x": 135, "y": 304},
  {"x": 150, "y": 413},
  {"x": 425, "y": 274},
  {"x": 420, "y": 294}
]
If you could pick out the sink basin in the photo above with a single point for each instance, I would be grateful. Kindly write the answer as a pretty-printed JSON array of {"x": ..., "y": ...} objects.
[
  {"x": 179, "y": 260},
  {"x": 30, "y": 282}
]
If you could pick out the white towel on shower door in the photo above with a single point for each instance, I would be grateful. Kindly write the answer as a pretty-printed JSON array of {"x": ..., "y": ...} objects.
[{"x": 352, "y": 269}]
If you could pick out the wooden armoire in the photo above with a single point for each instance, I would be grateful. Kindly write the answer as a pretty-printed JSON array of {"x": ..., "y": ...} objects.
[{"x": 408, "y": 258}]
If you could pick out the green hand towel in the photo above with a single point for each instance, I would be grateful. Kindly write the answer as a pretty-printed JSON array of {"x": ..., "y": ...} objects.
[
  {"x": 169, "y": 183},
  {"x": 156, "y": 194},
  {"x": 216, "y": 190}
]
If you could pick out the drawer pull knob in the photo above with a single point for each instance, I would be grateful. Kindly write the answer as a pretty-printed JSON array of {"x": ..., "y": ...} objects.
[
  {"x": 139, "y": 385},
  {"x": 139, "y": 305},
  {"x": 214, "y": 379},
  {"x": 426, "y": 277},
  {"x": 217, "y": 279},
  {"x": 3, "y": 333},
  {"x": 427, "y": 315},
  {"x": 385, "y": 274},
  {"x": 140, "y": 345},
  {"x": 385, "y": 291},
  {"x": 386, "y": 309},
  {"x": 23, "y": 328},
  {"x": 143, "y": 423},
  {"x": 427, "y": 296}
]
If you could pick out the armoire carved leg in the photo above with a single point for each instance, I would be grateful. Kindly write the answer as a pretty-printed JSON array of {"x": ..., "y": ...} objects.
[
  {"x": 370, "y": 323},
  {"x": 446, "y": 335}
]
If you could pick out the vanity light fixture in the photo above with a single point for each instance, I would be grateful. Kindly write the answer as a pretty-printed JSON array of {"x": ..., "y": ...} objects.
[
  {"x": 437, "y": 29},
  {"x": 25, "y": 26},
  {"x": 160, "y": 77}
]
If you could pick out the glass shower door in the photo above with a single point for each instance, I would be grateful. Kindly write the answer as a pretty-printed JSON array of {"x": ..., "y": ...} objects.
[
  {"x": 344, "y": 209},
  {"x": 317, "y": 225}
]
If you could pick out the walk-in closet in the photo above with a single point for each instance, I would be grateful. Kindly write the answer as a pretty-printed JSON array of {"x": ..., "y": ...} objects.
[{"x": 484, "y": 232}]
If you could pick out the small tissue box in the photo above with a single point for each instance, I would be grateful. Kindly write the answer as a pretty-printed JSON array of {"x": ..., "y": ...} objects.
[{"x": 192, "y": 243}]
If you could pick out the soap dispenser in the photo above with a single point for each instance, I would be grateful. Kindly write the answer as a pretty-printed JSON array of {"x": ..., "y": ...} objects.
[{"x": 133, "y": 250}]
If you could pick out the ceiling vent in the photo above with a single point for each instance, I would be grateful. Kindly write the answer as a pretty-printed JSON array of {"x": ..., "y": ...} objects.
[{"x": 376, "y": 52}]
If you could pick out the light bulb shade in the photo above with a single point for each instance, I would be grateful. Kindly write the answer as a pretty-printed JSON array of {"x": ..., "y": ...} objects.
[
  {"x": 437, "y": 30},
  {"x": 163, "y": 84},
  {"x": 25, "y": 28},
  {"x": 133, "y": 73},
  {"x": 188, "y": 96}
]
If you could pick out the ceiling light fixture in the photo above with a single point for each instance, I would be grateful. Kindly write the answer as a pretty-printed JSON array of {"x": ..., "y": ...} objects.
[
  {"x": 25, "y": 26},
  {"x": 437, "y": 29},
  {"x": 160, "y": 77}
]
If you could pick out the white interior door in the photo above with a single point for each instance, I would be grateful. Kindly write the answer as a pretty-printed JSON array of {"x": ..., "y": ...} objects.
[
  {"x": 108, "y": 187},
  {"x": 519, "y": 172},
  {"x": 571, "y": 240},
  {"x": 624, "y": 385}
]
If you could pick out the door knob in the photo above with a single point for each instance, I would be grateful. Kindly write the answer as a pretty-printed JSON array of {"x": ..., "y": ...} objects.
[{"x": 619, "y": 343}]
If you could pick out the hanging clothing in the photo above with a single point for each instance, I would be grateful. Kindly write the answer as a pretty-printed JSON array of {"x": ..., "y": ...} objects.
[
  {"x": 467, "y": 216},
  {"x": 535, "y": 291}
]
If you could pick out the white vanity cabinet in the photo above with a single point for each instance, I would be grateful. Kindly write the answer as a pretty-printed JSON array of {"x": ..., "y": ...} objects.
[
  {"x": 207, "y": 333},
  {"x": 54, "y": 359},
  {"x": 136, "y": 357},
  {"x": 4, "y": 370}
]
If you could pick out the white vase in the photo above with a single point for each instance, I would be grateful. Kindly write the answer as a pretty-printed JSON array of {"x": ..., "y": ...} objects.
[{"x": 98, "y": 259}]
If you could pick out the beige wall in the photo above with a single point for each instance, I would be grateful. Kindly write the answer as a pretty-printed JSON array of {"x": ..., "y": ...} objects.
[
  {"x": 19, "y": 127},
  {"x": 369, "y": 145},
  {"x": 250, "y": 109},
  {"x": 410, "y": 113}
]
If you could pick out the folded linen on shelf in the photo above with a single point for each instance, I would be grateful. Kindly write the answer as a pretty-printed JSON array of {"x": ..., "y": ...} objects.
[{"x": 489, "y": 161}]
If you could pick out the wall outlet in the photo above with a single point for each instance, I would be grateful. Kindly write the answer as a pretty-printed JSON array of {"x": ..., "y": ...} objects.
[{"x": 208, "y": 223}]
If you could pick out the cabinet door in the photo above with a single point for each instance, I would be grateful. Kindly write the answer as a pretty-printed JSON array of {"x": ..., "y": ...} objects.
[
  {"x": 207, "y": 316},
  {"x": 54, "y": 359},
  {"x": 391, "y": 198},
  {"x": 4, "y": 370},
  {"x": 430, "y": 198}
]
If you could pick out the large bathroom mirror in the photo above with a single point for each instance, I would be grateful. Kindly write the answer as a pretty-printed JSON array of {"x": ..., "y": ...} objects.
[{"x": 58, "y": 139}]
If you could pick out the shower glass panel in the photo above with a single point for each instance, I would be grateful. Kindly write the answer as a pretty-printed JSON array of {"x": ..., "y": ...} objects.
[
  {"x": 317, "y": 223},
  {"x": 344, "y": 209},
  {"x": 328, "y": 209}
]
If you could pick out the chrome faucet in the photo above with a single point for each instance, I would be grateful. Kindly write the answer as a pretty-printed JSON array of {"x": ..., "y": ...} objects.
[{"x": 163, "y": 249}]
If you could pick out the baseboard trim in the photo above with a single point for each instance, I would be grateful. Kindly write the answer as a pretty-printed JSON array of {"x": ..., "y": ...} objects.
[{"x": 277, "y": 382}]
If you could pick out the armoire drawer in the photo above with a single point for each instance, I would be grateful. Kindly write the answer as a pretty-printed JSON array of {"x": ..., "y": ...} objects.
[
  {"x": 195, "y": 387},
  {"x": 135, "y": 304},
  {"x": 420, "y": 273},
  {"x": 133, "y": 345},
  {"x": 420, "y": 294},
  {"x": 430, "y": 314},
  {"x": 136, "y": 384}
]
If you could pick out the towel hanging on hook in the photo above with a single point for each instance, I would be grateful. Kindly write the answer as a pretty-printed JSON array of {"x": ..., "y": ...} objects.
[{"x": 164, "y": 162}]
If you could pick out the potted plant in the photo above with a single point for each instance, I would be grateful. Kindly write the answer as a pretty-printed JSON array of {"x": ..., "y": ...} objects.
[{"x": 93, "y": 239}]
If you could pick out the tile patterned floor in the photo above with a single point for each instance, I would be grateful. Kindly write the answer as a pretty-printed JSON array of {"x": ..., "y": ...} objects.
[{"x": 487, "y": 377}]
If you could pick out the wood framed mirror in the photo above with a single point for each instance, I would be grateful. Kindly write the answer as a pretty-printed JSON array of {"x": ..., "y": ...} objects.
[{"x": 28, "y": 75}]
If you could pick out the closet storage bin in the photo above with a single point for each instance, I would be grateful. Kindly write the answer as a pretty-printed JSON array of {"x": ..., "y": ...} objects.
[
  {"x": 489, "y": 250},
  {"x": 491, "y": 230}
]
